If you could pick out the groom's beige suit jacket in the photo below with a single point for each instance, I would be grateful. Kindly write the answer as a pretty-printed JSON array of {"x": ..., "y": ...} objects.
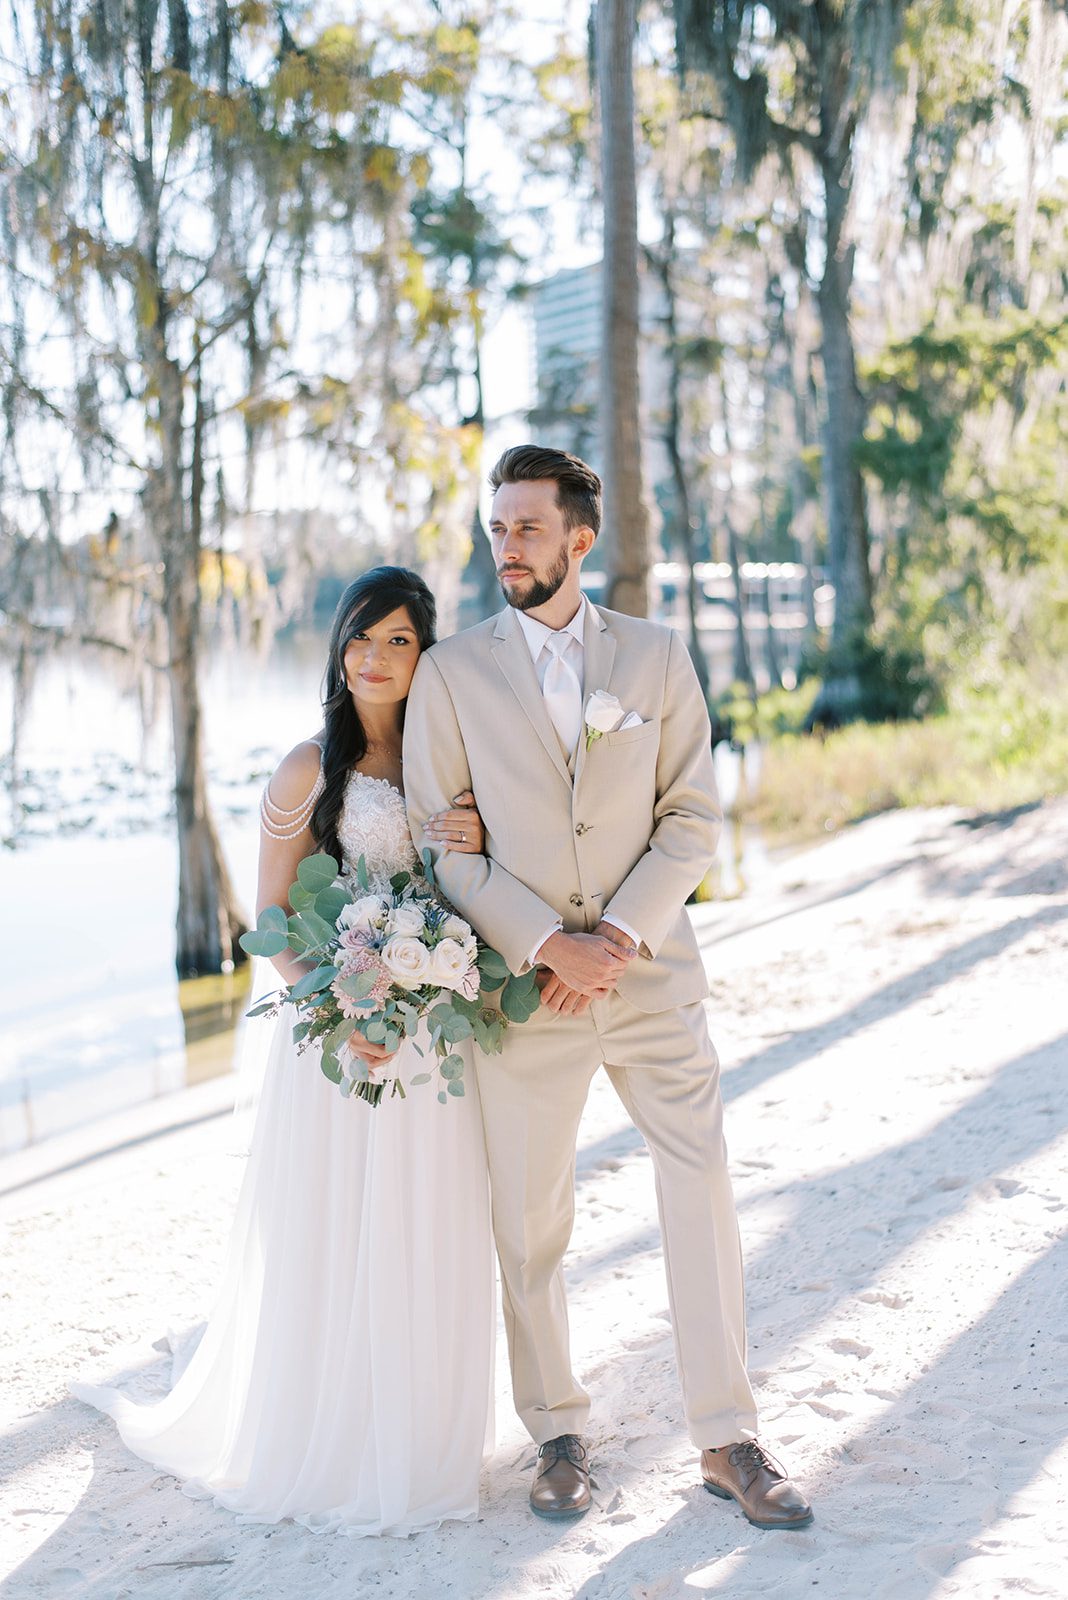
[{"x": 629, "y": 829}]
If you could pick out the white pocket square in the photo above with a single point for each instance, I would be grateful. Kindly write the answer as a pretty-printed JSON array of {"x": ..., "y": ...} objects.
[{"x": 631, "y": 720}]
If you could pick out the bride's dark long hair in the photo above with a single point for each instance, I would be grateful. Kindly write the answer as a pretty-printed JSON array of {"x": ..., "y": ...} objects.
[{"x": 365, "y": 602}]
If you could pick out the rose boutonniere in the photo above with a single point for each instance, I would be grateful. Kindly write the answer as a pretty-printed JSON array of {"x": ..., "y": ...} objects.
[{"x": 603, "y": 715}]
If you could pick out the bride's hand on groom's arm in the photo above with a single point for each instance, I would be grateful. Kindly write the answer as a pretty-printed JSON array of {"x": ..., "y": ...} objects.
[{"x": 460, "y": 828}]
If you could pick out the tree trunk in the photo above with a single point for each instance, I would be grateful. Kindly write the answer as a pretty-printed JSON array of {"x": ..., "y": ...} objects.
[
  {"x": 672, "y": 441},
  {"x": 743, "y": 663},
  {"x": 847, "y": 521},
  {"x": 481, "y": 567},
  {"x": 626, "y": 514},
  {"x": 771, "y": 647},
  {"x": 481, "y": 564},
  {"x": 209, "y": 921}
]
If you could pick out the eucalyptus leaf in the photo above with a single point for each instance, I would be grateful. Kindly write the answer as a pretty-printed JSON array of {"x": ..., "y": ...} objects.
[
  {"x": 261, "y": 1008},
  {"x": 452, "y": 1067},
  {"x": 307, "y": 931},
  {"x": 456, "y": 1088},
  {"x": 271, "y": 918},
  {"x": 492, "y": 965},
  {"x": 399, "y": 881},
  {"x": 299, "y": 898},
  {"x": 519, "y": 999},
  {"x": 331, "y": 902},
  {"x": 457, "y": 1028},
  {"x": 361, "y": 874},
  {"x": 488, "y": 1036},
  {"x": 300, "y": 1031},
  {"x": 313, "y": 983},
  {"x": 317, "y": 872},
  {"x": 442, "y": 1097},
  {"x": 375, "y": 1031},
  {"x": 267, "y": 944},
  {"x": 339, "y": 1034},
  {"x": 428, "y": 869},
  {"x": 358, "y": 986},
  {"x": 420, "y": 1077},
  {"x": 331, "y": 1067}
]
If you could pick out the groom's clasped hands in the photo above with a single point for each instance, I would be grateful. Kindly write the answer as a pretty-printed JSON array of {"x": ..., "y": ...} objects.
[{"x": 579, "y": 967}]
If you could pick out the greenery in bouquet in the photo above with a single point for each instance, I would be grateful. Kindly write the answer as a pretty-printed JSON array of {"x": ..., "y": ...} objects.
[{"x": 386, "y": 957}]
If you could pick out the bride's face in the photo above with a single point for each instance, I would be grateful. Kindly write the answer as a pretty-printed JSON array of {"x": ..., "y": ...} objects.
[{"x": 379, "y": 660}]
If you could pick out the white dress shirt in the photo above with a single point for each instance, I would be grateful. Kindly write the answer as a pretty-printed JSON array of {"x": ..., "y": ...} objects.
[{"x": 537, "y": 635}]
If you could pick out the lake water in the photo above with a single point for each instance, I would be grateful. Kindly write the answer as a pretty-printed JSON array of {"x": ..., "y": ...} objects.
[{"x": 92, "y": 1018}]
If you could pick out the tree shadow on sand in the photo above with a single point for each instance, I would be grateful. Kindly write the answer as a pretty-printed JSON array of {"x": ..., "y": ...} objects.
[
  {"x": 879, "y": 1004},
  {"x": 920, "y": 1533}
]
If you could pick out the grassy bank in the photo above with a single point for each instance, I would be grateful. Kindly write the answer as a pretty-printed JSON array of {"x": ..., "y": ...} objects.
[{"x": 991, "y": 752}]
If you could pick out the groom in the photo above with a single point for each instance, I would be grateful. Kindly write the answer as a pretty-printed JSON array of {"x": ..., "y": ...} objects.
[{"x": 592, "y": 846}]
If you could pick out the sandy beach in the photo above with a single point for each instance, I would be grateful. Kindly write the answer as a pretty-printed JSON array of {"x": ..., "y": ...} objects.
[{"x": 891, "y": 1010}]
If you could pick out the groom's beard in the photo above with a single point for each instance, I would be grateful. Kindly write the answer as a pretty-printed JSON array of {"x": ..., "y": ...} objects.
[{"x": 523, "y": 598}]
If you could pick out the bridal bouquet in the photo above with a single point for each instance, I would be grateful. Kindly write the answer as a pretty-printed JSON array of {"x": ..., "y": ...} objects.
[{"x": 384, "y": 961}]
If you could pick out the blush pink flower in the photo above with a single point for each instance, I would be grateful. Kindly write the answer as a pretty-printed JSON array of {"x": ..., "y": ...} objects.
[{"x": 355, "y": 961}]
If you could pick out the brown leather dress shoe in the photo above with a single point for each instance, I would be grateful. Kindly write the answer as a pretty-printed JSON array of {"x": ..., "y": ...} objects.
[
  {"x": 561, "y": 1486},
  {"x": 747, "y": 1473}
]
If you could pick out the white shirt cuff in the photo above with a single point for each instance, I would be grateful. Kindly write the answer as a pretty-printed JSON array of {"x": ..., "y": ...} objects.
[
  {"x": 624, "y": 927},
  {"x": 533, "y": 956}
]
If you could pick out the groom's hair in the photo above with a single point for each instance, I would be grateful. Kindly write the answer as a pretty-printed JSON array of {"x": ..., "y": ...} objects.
[{"x": 578, "y": 488}]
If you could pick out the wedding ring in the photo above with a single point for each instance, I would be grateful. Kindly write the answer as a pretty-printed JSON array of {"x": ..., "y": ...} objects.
[{"x": 463, "y": 838}]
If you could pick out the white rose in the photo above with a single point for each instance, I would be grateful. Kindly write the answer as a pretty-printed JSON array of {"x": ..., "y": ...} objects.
[
  {"x": 449, "y": 965},
  {"x": 470, "y": 945},
  {"x": 364, "y": 915},
  {"x": 603, "y": 712},
  {"x": 407, "y": 919},
  {"x": 456, "y": 928},
  {"x": 406, "y": 960}
]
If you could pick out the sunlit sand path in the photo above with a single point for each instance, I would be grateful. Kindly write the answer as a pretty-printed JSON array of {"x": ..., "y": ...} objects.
[{"x": 889, "y": 1010}]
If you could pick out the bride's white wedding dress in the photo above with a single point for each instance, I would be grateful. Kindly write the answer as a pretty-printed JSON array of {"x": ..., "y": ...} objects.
[{"x": 343, "y": 1377}]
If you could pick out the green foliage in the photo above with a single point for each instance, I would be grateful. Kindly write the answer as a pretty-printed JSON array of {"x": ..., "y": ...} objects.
[
  {"x": 889, "y": 678},
  {"x": 998, "y": 746},
  {"x": 520, "y": 998},
  {"x": 308, "y": 932},
  {"x": 313, "y": 982},
  {"x": 965, "y": 437},
  {"x": 317, "y": 872},
  {"x": 270, "y": 935}
]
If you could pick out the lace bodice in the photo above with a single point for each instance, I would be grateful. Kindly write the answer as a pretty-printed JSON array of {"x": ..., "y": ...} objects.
[{"x": 374, "y": 824}]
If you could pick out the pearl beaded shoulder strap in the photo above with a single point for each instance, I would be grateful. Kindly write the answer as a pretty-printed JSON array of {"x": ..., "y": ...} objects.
[{"x": 279, "y": 823}]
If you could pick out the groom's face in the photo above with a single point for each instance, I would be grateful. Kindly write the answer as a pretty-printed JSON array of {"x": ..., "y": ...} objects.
[{"x": 532, "y": 545}]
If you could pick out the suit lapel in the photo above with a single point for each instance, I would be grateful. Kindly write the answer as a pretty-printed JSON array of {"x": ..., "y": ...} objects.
[
  {"x": 511, "y": 654},
  {"x": 599, "y": 650}
]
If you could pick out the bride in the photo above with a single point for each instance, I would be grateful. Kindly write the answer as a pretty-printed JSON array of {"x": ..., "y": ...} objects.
[{"x": 343, "y": 1378}]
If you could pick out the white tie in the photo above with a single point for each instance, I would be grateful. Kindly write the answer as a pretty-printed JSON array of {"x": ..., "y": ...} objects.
[{"x": 563, "y": 692}]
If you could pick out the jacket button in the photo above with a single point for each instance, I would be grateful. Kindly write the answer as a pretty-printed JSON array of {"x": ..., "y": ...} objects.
[
  {"x": 576, "y": 899},
  {"x": 582, "y": 827}
]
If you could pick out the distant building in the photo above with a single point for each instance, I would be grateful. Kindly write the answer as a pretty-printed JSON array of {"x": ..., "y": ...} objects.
[{"x": 566, "y": 312}]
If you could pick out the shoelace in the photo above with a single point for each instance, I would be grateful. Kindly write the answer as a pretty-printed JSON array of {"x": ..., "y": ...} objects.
[
  {"x": 750, "y": 1456},
  {"x": 568, "y": 1447}
]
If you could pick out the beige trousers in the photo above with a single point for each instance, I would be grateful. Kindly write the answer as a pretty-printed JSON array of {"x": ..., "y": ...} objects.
[{"x": 665, "y": 1070}]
